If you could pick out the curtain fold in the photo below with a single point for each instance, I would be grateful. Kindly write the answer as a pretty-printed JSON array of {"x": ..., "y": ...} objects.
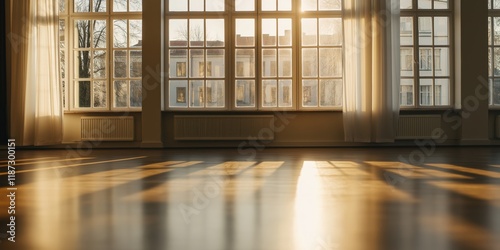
[
  {"x": 36, "y": 103},
  {"x": 372, "y": 67}
]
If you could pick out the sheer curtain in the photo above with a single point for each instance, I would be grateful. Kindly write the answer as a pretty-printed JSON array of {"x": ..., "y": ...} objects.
[
  {"x": 36, "y": 110},
  {"x": 372, "y": 68}
]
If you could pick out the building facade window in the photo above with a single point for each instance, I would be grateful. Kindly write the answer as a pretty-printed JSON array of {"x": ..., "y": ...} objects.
[
  {"x": 248, "y": 55},
  {"x": 494, "y": 51},
  {"x": 101, "y": 55},
  {"x": 426, "y": 36}
]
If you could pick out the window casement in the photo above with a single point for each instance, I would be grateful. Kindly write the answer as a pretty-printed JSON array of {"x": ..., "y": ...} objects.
[
  {"x": 248, "y": 55},
  {"x": 426, "y": 37},
  {"x": 494, "y": 52},
  {"x": 101, "y": 54}
]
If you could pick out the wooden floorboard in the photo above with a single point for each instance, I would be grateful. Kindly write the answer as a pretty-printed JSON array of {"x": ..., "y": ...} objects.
[{"x": 225, "y": 199}]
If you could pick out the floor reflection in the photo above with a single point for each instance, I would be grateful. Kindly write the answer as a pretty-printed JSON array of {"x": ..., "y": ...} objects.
[{"x": 282, "y": 199}]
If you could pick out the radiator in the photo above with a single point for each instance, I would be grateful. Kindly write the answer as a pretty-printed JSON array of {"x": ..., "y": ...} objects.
[
  {"x": 417, "y": 126},
  {"x": 101, "y": 128},
  {"x": 497, "y": 127},
  {"x": 223, "y": 127}
]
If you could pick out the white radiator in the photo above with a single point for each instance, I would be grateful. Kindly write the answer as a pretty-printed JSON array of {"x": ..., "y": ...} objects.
[
  {"x": 497, "y": 127},
  {"x": 417, "y": 126},
  {"x": 104, "y": 128},
  {"x": 223, "y": 127}
]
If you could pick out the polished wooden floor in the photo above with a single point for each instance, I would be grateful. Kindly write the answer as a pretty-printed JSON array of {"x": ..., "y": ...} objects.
[{"x": 290, "y": 199}]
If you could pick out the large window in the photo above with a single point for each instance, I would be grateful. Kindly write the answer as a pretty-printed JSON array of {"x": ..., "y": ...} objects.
[
  {"x": 101, "y": 56},
  {"x": 494, "y": 51},
  {"x": 248, "y": 55},
  {"x": 426, "y": 61}
]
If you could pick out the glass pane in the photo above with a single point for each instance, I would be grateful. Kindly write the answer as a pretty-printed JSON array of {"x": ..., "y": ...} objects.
[
  {"x": 489, "y": 31},
  {"x": 99, "y": 33},
  {"x": 442, "y": 61},
  {"x": 440, "y": 4},
  {"x": 196, "y": 94},
  {"x": 425, "y": 30},
  {"x": 196, "y": 5},
  {"x": 196, "y": 63},
  {"x": 490, "y": 62},
  {"x": 178, "y": 93},
  {"x": 84, "y": 94},
  {"x": 284, "y": 5},
  {"x": 215, "y": 32},
  {"x": 178, "y": 32},
  {"x": 62, "y": 6},
  {"x": 135, "y": 33},
  {"x": 330, "y": 31},
  {"x": 496, "y": 4},
  {"x": 196, "y": 32},
  {"x": 330, "y": 62},
  {"x": 497, "y": 30},
  {"x": 407, "y": 62},
  {"x": 245, "y": 63},
  {"x": 82, "y": 64},
  {"x": 496, "y": 92},
  {"x": 82, "y": 5},
  {"x": 442, "y": 92},
  {"x": 215, "y": 5},
  {"x": 245, "y": 32},
  {"x": 178, "y": 5},
  {"x": 309, "y": 93},
  {"x": 406, "y": 28},
  {"x": 426, "y": 61},
  {"x": 424, "y": 4},
  {"x": 120, "y": 63},
  {"x": 426, "y": 92},
  {"x": 406, "y": 94},
  {"x": 82, "y": 34},
  {"x": 330, "y": 93},
  {"x": 285, "y": 32},
  {"x": 285, "y": 93},
  {"x": 309, "y": 31},
  {"x": 245, "y": 93},
  {"x": 120, "y": 33},
  {"x": 309, "y": 62},
  {"x": 330, "y": 5},
  {"x": 245, "y": 5},
  {"x": 215, "y": 63},
  {"x": 496, "y": 60},
  {"x": 135, "y": 63},
  {"x": 269, "y": 93},
  {"x": 120, "y": 94},
  {"x": 269, "y": 67},
  {"x": 441, "y": 34},
  {"x": 406, "y": 4},
  {"x": 308, "y": 5},
  {"x": 268, "y": 32},
  {"x": 268, "y": 5},
  {"x": 178, "y": 63},
  {"x": 100, "y": 94},
  {"x": 120, "y": 6},
  {"x": 99, "y": 6},
  {"x": 136, "y": 5},
  {"x": 215, "y": 94},
  {"x": 136, "y": 94},
  {"x": 285, "y": 63},
  {"x": 99, "y": 64}
]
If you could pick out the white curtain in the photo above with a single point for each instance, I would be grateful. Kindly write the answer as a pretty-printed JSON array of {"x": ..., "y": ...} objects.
[
  {"x": 36, "y": 110},
  {"x": 372, "y": 68}
]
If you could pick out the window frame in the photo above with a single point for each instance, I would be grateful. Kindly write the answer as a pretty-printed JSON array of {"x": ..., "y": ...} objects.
[
  {"x": 492, "y": 14},
  {"x": 415, "y": 13},
  {"x": 230, "y": 15},
  {"x": 70, "y": 16}
]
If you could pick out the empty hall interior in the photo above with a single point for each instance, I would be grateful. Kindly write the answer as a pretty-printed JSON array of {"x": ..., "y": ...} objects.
[{"x": 250, "y": 124}]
